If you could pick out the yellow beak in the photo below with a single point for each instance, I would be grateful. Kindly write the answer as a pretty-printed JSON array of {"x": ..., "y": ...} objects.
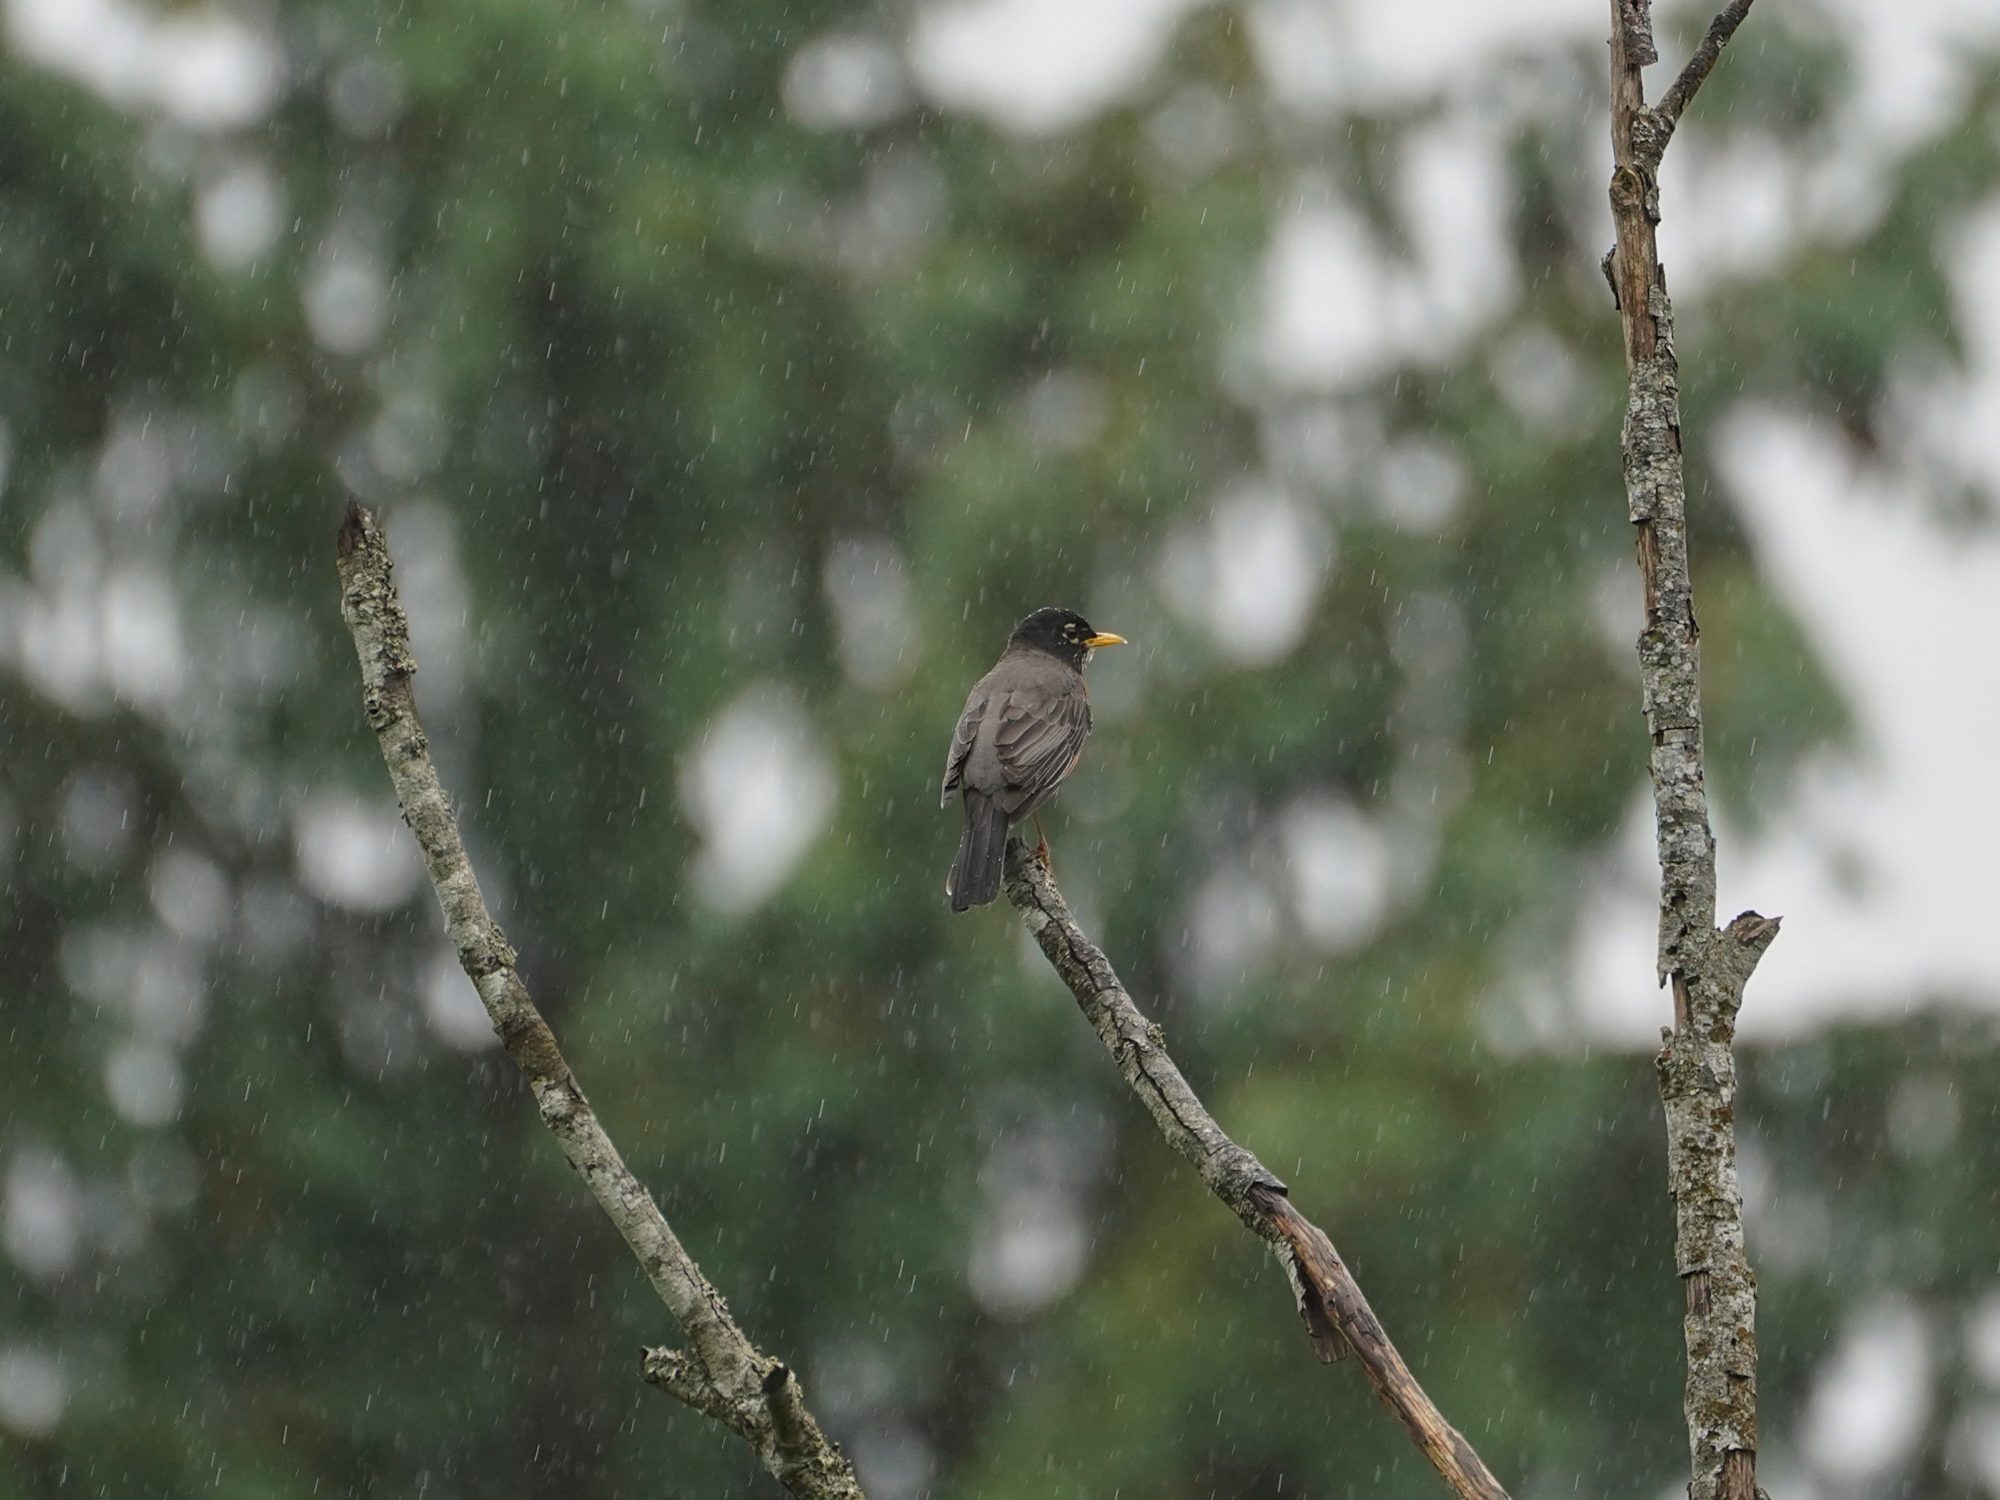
[{"x": 1105, "y": 638}]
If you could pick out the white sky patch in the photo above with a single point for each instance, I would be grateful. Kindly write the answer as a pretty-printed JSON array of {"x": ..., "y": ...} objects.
[
  {"x": 873, "y": 615},
  {"x": 1031, "y": 1248},
  {"x": 1231, "y": 927},
  {"x": 453, "y": 1008},
  {"x": 1541, "y": 381},
  {"x": 1975, "y": 285},
  {"x": 54, "y": 642},
  {"x": 759, "y": 787},
  {"x": 1420, "y": 485},
  {"x": 134, "y": 971},
  {"x": 1982, "y": 1340},
  {"x": 41, "y": 1213},
  {"x": 1197, "y": 129},
  {"x": 1880, "y": 857},
  {"x": 84, "y": 630},
  {"x": 1747, "y": 185},
  {"x": 136, "y": 468},
  {"x": 1947, "y": 414},
  {"x": 143, "y": 1082},
  {"x": 355, "y": 852},
  {"x": 1330, "y": 304},
  {"x": 1319, "y": 57},
  {"x": 142, "y": 652},
  {"x": 1339, "y": 861},
  {"x": 894, "y": 1459},
  {"x": 237, "y": 215},
  {"x": 844, "y": 81},
  {"x": 346, "y": 302},
  {"x": 1871, "y": 1398},
  {"x": 1251, "y": 573},
  {"x": 1064, "y": 411},
  {"x": 33, "y": 1392},
  {"x": 1341, "y": 308},
  {"x": 1910, "y": 65},
  {"x": 203, "y": 68},
  {"x": 64, "y": 550},
  {"x": 1032, "y": 1241},
  {"x": 1456, "y": 195},
  {"x": 407, "y": 440},
  {"x": 1913, "y": 71},
  {"x": 1039, "y": 66}
]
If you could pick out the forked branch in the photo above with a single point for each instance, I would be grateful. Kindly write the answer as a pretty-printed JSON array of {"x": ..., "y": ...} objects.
[
  {"x": 1706, "y": 968},
  {"x": 720, "y": 1373},
  {"x": 1675, "y": 101}
]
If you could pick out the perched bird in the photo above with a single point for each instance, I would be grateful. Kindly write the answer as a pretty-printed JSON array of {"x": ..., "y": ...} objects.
[{"x": 1023, "y": 728}]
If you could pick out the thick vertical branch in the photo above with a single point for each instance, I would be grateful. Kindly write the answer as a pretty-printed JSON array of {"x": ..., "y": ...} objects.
[
  {"x": 1706, "y": 968},
  {"x": 721, "y": 1373},
  {"x": 1337, "y": 1316}
]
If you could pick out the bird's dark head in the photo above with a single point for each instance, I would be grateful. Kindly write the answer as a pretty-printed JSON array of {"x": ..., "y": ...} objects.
[{"x": 1062, "y": 633}]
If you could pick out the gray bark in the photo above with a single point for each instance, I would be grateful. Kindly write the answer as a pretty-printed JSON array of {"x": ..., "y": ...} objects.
[
  {"x": 1337, "y": 1316},
  {"x": 720, "y": 1373},
  {"x": 1706, "y": 968}
]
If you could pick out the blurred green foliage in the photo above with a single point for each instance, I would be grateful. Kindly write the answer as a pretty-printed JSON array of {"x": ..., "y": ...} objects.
[{"x": 652, "y": 355}]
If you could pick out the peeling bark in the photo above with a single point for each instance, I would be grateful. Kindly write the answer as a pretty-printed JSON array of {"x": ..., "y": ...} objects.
[
  {"x": 1706, "y": 968},
  {"x": 1337, "y": 1316},
  {"x": 721, "y": 1373}
]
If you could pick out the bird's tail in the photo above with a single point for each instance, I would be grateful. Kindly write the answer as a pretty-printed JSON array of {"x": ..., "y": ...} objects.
[{"x": 982, "y": 854}]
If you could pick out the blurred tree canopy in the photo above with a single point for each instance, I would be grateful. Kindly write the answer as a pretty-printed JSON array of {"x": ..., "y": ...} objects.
[{"x": 726, "y": 399}]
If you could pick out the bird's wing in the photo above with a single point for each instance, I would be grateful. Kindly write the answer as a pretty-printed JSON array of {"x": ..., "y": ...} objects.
[
  {"x": 961, "y": 742},
  {"x": 1039, "y": 737}
]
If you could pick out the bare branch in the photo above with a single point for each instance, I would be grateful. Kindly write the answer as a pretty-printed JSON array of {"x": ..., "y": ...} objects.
[
  {"x": 792, "y": 1427},
  {"x": 1706, "y": 968},
  {"x": 1634, "y": 21},
  {"x": 721, "y": 1374},
  {"x": 1700, "y": 65},
  {"x": 1335, "y": 1312}
]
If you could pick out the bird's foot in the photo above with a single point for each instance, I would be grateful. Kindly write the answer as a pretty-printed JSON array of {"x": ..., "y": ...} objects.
[{"x": 1042, "y": 855}]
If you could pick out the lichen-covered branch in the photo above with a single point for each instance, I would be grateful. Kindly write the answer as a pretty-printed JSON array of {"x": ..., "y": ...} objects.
[
  {"x": 1337, "y": 1316},
  {"x": 720, "y": 1373},
  {"x": 1706, "y": 968}
]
